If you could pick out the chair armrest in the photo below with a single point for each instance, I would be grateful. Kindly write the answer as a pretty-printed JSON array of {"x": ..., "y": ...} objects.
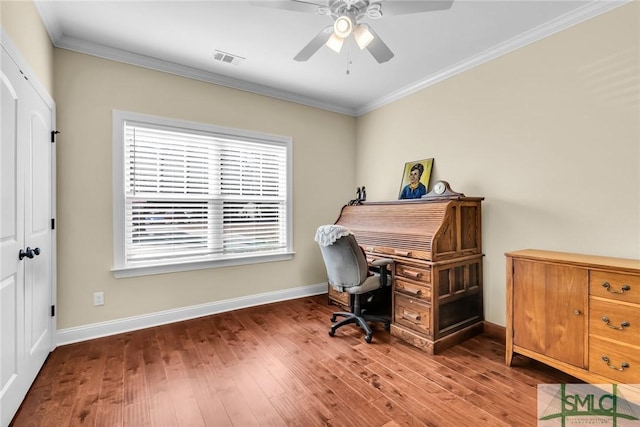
[{"x": 380, "y": 262}]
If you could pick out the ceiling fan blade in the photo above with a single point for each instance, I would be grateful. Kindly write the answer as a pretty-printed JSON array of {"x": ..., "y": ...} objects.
[
  {"x": 316, "y": 43},
  {"x": 379, "y": 49},
  {"x": 294, "y": 5},
  {"x": 402, "y": 7}
]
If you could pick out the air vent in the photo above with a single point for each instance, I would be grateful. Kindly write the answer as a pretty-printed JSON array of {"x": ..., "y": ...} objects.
[{"x": 229, "y": 58}]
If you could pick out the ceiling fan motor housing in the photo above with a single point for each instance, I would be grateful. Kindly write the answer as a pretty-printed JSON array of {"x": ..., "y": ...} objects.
[{"x": 355, "y": 9}]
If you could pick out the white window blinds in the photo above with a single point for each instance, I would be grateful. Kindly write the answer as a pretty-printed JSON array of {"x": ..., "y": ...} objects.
[{"x": 193, "y": 195}]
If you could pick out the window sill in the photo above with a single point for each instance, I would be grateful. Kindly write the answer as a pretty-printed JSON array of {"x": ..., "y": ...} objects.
[{"x": 148, "y": 270}]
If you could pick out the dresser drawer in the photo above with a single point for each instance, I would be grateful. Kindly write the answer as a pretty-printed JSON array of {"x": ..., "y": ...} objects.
[
  {"x": 412, "y": 313},
  {"x": 616, "y": 361},
  {"x": 418, "y": 273},
  {"x": 621, "y": 287},
  {"x": 413, "y": 290},
  {"x": 615, "y": 321}
]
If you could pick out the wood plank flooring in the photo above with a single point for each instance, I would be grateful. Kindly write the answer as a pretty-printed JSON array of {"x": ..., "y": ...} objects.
[{"x": 275, "y": 365}]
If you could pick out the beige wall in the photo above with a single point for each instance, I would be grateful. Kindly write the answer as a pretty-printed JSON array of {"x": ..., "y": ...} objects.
[
  {"x": 21, "y": 21},
  {"x": 88, "y": 89},
  {"x": 548, "y": 134}
]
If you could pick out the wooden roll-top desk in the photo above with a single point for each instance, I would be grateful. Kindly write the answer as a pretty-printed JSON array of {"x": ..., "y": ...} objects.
[{"x": 436, "y": 246}]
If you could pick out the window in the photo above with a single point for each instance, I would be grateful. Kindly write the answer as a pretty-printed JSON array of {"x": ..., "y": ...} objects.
[{"x": 190, "y": 196}]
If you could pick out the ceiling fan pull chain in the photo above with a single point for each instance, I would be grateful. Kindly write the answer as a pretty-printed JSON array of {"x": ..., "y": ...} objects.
[{"x": 349, "y": 61}]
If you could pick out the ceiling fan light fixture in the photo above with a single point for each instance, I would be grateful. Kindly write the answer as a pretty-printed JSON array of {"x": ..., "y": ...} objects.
[
  {"x": 335, "y": 43},
  {"x": 362, "y": 35},
  {"x": 343, "y": 26}
]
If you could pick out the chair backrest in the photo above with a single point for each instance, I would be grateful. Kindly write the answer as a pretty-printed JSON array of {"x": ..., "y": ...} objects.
[{"x": 344, "y": 260}]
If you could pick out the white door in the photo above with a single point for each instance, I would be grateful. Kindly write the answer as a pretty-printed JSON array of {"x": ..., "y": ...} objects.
[{"x": 26, "y": 332}]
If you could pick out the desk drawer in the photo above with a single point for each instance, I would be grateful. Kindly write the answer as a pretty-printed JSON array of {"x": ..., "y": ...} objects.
[
  {"x": 616, "y": 361},
  {"x": 391, "y": 251},
  {"x": 341, "y": 298},
  {"x": 418, "y": 273},
  {"x": 413, "y": 290},
  {"x": 615, "y": 321},
  {"x": 412, "y": 313},
  {"x": 620, "y": 287}
]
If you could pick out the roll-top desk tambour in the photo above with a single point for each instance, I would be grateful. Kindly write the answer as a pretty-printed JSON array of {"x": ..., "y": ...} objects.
[
  {"x": 436, "y": 246},
  {"x": 577, "y": 313}
]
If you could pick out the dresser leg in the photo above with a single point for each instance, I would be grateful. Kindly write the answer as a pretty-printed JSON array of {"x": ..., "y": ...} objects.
[
  {"x": 508, "y": 355},
  {"x": 508, "y": 347}
]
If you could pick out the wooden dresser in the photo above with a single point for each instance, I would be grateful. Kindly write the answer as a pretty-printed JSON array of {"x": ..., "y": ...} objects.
[
  {"x": 436, "y": 246},
  {"x": 577, "y": 313}
]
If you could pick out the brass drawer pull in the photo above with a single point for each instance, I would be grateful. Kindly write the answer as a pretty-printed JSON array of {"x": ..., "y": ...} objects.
[
  {"x": 623, "y": 325},
  {"x": 412, "y": 274},
  {"x": 411, "y": 316},
  {"x": 623, "y": 365},
  {"x": 607, "y": 286}
]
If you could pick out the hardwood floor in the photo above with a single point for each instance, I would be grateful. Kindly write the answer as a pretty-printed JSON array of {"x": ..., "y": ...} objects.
[{"x": 275, "y": 365}]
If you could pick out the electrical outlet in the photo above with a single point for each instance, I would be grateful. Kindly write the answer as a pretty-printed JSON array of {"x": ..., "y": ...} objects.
[{"x": 98, "y": 298}]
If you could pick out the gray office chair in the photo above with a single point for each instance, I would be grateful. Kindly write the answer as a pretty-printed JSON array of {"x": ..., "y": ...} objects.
[{"x": 348, "y": 271}]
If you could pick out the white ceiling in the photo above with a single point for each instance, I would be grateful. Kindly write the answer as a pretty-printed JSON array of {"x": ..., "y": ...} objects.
[{"x": 181, "y": 37}]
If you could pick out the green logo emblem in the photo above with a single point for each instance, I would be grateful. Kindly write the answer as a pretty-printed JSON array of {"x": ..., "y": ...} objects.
[{"x": 587, "y": 404}]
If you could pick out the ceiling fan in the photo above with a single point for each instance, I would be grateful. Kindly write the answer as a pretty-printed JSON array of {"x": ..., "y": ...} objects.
[{"x": 346, "y": 16}]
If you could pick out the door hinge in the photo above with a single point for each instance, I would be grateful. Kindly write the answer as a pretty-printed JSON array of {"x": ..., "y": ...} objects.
[
  {"x": 53, "y": 135},
  {"x": 53, "y": 311},
  {"x": 53, "y": 223}
]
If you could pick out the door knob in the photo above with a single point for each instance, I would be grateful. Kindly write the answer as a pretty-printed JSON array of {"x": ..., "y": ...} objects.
[{"x": 29, "y": 253}]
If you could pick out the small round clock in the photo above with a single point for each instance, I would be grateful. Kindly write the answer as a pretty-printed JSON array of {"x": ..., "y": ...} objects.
[
  {"x": 440, "y": 187},
  {"x": 441, "y": 190}
]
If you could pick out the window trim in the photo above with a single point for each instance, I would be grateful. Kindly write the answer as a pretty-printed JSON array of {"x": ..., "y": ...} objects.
[{"x": 120, "y": 269}]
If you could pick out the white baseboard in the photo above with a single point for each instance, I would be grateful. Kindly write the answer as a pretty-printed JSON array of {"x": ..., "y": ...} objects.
[{"x": 103, "y": 329}]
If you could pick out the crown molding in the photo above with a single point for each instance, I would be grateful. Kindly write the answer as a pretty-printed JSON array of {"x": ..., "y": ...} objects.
[
  {"x": 50, "y": 24},
  {"x": 561, "y": 23},
  {"x": 94, "y": 49},
  {"x": 575, "y": 17}
]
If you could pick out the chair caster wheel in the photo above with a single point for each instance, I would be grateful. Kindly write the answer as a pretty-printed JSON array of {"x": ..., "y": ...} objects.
[
  {"x": 387, "y": 327},
  {"x": 333, "y": 319},
  {"x": 368, "y": 339},
  {"x": 332, "y": 333}
]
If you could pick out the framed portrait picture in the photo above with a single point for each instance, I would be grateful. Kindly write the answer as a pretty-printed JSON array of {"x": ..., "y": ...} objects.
[{"x": 415, "y": 179}]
